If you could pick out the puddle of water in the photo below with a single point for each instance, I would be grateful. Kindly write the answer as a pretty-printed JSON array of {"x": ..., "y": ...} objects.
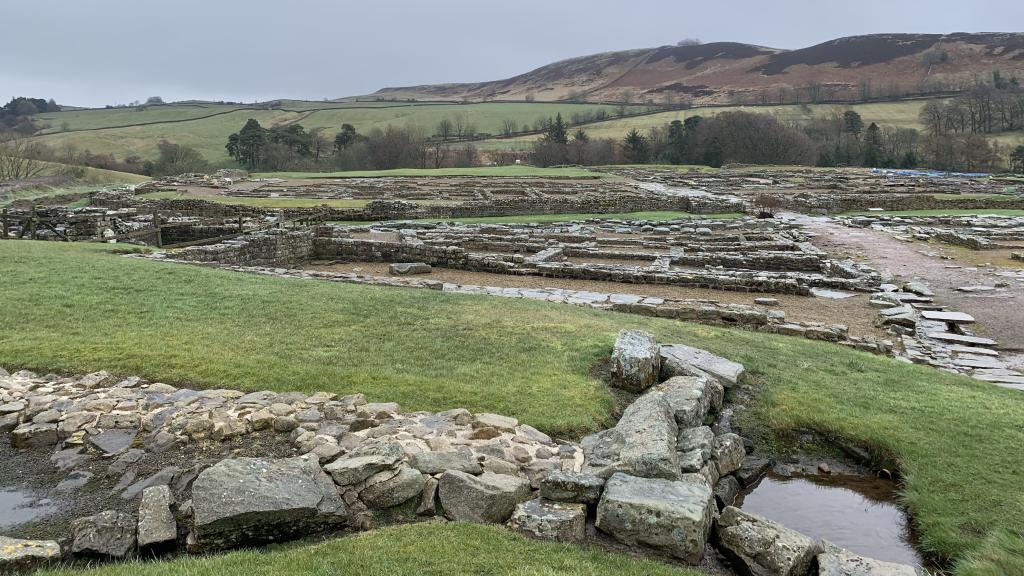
[
  {"x": 17, "y": 507},
  {"x": 831, "y": 294},
  {"x": 853, "y": 512}
]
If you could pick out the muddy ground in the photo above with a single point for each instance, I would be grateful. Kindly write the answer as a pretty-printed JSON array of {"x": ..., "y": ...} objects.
[{"x": 999, "y": 313}]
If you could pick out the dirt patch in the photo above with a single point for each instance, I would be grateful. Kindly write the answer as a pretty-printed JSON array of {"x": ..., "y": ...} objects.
[
  {"x": 999, "y": 313},
  {"x": 854, "y": 311}
]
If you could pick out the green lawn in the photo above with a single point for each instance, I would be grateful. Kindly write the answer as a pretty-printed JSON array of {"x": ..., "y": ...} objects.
[
  {"x": 419, "y": 549},
  {"x": 938, "y": 212},
  {"x": 78, "y": 308},
  {"x": 261, "y": 202},
  {"x": 549, "y": 218},
  {"x": 493, "y": 171},
  {"x": 206, "y": 127},
  {"x": 90, "y": 180}
]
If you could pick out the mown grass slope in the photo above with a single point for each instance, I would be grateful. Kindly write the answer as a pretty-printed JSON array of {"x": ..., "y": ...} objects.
[
  {"x": 422, "y": 549},
  {"x": 79, "y": 308}
]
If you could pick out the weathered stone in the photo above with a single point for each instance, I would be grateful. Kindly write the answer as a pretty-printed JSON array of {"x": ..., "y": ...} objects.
[
  {"x": 113, "y": 441},
  {"x": 157, "y": 529},
  {"x": 161, "y": 478},
  {"x": 107, "y": 534},
  {"x": 400, "y": 488},
  {"x": 681, "y": 360},
  {"x": 488, "y": 498},
  {"x": 728, "y": 452},
  {"x": 648, "y": 429},
  {"x": 672, "y": 516},
  {"x": 753, "y": 469},
  {"x": 918, "y": 288},
  {"x": 571, "y": 487},
  {"x": 365, "y": 461},
  {"x": 438, "y": 462},
  {"x": 839, "y": 562},
  {"x": 691, "y": 398},
  {"x": 726, "y": 491},
  {"x": 25, "y": 555},
  {"x": 74, "y": 481},
  {"x": 763, "y": 547},
  {"x": 34, "y": 436},
  {"x": 502, "y": 423},
  {"x": 428, "y": 498},
  {"x": 408, "y": 268},
  {"x": 549, "y": 520},
  {"x": 635, "y": 361},
  {"x": 248, "y": 500}
]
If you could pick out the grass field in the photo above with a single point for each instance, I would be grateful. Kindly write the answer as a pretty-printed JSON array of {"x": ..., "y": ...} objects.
[
  {"x": 72, "y": 308},
  {"x": 491, "y": 171},
  {"x": 90, "y": 179},
  {"x": 549, "y": 218},
  {"x": 128, "y": 131},
  {"x": 420, "y": 549}
]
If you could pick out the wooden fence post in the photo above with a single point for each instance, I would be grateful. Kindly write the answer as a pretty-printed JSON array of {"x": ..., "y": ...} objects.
[
  {"x": 159, "y": 233},
  {"x": 3, "y": 220}
]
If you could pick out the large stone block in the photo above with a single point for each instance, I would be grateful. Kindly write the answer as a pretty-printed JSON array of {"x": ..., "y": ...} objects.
[
  {"x": 107, "y": 534},
  {"x": 249, "y": 500},
  {"x": 762, "y": 547},
  {"x": 488, "y": 498},
  {"x": 643, "y": 443},
  {"x": 571, "y": 487},
  {"x": 672, "y": 516},
  {"x": 691, "y": 398},
  {"x": 366, "y": 460},
  {"x": 157, "y": 528},
  {"x": 635, "y": 361},
  {"x": 549, "y": 520},
  {"x": 25, "y": 555},
  {"x": 438, "y": 462},
  {"x": 839, "y": 562},
  {"x": 400, "y": 488},
  {"x": 682, "y": 360}
]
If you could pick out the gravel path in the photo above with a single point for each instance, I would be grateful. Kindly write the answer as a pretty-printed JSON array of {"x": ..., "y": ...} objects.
[{"x": 999, "y": 312}]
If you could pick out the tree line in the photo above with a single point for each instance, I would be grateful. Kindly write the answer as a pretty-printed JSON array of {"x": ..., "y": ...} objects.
[{"x": 838, "y": 139}]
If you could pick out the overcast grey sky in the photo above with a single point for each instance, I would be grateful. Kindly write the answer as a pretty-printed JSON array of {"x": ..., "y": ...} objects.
[{"x": 96, "y": 52}]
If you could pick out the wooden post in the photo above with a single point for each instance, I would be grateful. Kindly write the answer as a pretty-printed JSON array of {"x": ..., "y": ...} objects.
[
  {"x": 239, "y": 223},
  {"x": 3, "y": 221},
  {"x": 156, "y": 225},
  {"x": 32, "y": 224}
]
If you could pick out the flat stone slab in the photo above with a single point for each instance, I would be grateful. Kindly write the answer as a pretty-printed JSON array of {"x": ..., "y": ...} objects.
[
  {"x": 972, "y": 361},
  {"x": 961, "y": 339},
  {"x": 114, "y": 441},
  {"x": 972, "y": 350},
  {"x": 682, "y": 360},
  {"x": 17, "y": 555},
  {"x": 407, "y": 268},
  {"x": 547, "y": 520},
  {"x": 976, "y": 289},
  {"x": 846, "y": 563},
  {"x": 950, "y": 317}
]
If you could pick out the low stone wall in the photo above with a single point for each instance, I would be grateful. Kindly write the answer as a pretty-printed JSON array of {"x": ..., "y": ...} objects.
[
  {"x": 276, "y": 248},
  {"x": 837, "y": 203},
  {"x": 192, "y": 233}
]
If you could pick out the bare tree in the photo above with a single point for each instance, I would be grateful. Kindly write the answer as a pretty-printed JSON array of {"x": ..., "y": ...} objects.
[
  {"x": 17, "y": 159},
  {"x": 445, "y": 128},
  {"x": 508, "y": 127}
]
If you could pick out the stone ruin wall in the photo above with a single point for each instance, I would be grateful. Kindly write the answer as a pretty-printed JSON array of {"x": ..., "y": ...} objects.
[
  {"x": 273, "y": 248},
  {"x": 836, "y": 203}
]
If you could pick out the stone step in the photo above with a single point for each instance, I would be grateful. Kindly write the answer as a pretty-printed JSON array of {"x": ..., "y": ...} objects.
[
  {"x": 949, "y": 317},
  {"x": 961, "y": 339},
  {"x": 958, "y": 349}
]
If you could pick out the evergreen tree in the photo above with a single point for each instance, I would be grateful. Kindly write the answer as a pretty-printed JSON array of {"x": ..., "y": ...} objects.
[
  {"x": 345, "y": 138},
  {"x": 636, "y": 147},
  {"x": 852, "y": 123},
  {"x": 246, "y": 146},
  {"x": 557, "y": 131}
]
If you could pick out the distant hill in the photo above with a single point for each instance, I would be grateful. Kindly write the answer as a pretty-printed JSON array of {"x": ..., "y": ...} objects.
[{"x": 873, "y": 66}]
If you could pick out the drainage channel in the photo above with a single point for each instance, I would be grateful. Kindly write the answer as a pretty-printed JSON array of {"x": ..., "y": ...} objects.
[{"x": 859, "y": 513}]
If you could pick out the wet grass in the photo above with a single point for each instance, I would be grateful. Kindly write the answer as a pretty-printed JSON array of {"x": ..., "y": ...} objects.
[
  {"x": 78, "y": 308},
  {"x": 491, "y": 171},
  {"x": 422, "y": 549},
  {"x": 550, "y": 218}
]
